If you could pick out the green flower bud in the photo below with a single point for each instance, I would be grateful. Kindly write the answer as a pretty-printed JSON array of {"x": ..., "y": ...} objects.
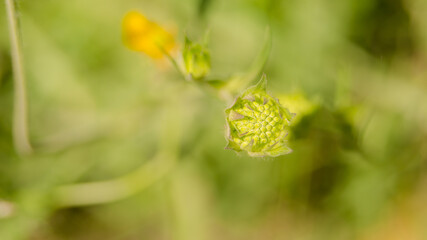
[
  {"x": 257, "y": 123},
  {"x": 197, "y": 59}
]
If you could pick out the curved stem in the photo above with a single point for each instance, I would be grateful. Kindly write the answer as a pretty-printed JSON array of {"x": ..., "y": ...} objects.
[
  {"x": 100, "y": 192},
  {"x": 20, "y": 112},
  {"x": 83, "y": 194}
]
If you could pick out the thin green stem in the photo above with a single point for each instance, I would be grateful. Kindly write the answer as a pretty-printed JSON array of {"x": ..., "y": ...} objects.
[
  {"x": 20, "y": 109},
  {"x": 173, "y": 61},
  {"x": 102, "y": 192},
  {"x": 108, "y": 191}
]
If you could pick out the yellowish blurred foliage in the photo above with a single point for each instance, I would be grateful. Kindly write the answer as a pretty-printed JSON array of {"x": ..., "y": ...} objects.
[
  {"x": 142, "y": 35},
  {"x": 405, "y": 221},
  {"x": 299, "y": 104}
]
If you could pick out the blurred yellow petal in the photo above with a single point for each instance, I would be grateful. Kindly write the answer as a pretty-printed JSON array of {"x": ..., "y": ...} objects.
[
  {"x": 298, "y": 103},
  {"x": 142, "y": 35}
]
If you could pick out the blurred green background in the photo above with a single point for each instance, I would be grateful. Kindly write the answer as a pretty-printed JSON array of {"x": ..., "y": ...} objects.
[{"x": 98, "y": 111}]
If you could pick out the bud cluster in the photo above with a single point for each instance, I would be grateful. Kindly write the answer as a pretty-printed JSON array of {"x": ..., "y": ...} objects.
[{"x": 258, "y": 124}]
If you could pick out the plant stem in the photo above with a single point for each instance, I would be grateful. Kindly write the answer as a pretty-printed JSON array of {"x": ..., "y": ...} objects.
[
  {"x": 84, "y": 194},
  {"x": 20, "y": 119},
  {"x": 102, "y": 192},
  {"x": 173, "y": 61}
]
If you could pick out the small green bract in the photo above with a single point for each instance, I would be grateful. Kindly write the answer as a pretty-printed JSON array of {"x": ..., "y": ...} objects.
[{"x": 257, "y": 123}]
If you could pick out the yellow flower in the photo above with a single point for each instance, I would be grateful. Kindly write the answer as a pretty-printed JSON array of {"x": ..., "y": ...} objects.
[{"x": 142, "y": 35}]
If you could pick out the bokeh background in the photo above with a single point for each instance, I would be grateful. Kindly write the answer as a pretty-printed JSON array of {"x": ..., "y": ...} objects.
[{"x": 153, "y": 144}]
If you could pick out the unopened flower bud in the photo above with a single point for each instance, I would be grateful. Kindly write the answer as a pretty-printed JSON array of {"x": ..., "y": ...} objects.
[
  {"x": 196, "y": 59},
  {"x": 257, "y": 123}
]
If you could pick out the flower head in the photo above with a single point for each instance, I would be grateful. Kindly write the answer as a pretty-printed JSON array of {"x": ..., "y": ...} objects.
[
  {"x": 257, "y": 123},
  {"x": 142, "y": 35}
]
